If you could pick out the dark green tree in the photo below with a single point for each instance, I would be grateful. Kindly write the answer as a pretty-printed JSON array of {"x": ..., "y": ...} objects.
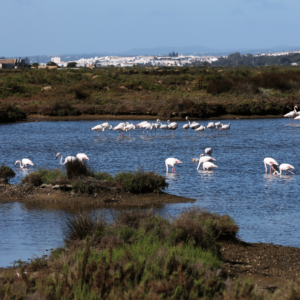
[
  {"x": 72, "y": 64},
  {"x": 51, "y": 63}
]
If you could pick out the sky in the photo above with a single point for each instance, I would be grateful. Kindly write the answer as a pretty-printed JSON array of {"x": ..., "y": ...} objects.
[{"x": 54, "y": 27}]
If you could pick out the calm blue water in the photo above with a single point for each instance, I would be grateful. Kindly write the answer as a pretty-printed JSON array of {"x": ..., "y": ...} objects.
[{"x": 264, "y": 206}]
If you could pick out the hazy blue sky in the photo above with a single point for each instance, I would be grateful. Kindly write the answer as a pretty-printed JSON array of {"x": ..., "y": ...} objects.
[{"x": 30, "y": 27}]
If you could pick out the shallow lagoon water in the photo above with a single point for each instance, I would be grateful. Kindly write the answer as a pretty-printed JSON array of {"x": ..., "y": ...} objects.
[{"x": 265, "y": 207}]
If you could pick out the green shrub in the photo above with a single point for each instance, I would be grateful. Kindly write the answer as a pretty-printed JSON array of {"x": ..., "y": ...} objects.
[
  {"x": 83, "y": 188},
  {"x": 102, "y": 176},
  {"x": 6, "y": 172},
  {"x": 46, "y": 176},
  {"x": 10, "y": 113},
  {"x": 141, "y": 181}
]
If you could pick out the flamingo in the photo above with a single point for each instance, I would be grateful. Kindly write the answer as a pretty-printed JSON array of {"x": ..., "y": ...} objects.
[
  {"x": 208, "y": 165},
  {"x": 225, "y": 127},
  {"x": 297, "y": 118},
  {"x": 285, "y": 168},
  {"x": 218, "y": 125},
  {"x": 81, "y": 157},
  {"x": 172, "y": 126},
  {"x": 25, "y": 163},
  {"x": 129, "y": 127},
  {"x": 211, "y": 126},
  {"x": 67, "y": 159},
  {"x": 106, "y": 126},
  {"x": 203, "y": 159},
  {"x": 156, "y": 125},
  {"x": 186, "y": 126},
  {"x": 271, "y": 162},
  {"x": 201, "y": 128},
  {"x": 164, "y": 127},
  {"x": 120, "y": 127},
  {"x": 98, "y": 128},
  {"x": 194, "y": 125},
  {"x": 140, "y": 125},
  {"x": 172, "y": 162},
  {"x": 292, "y": 114},
  {"x": 208, "y": 151},
  {"x": 148, "y": 126}
]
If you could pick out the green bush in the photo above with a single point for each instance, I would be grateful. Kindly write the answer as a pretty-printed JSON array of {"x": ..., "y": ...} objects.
[
  {"x": 10, "y": 113},
  {"x": 46, "y": 176},
  {"x": 6, "y": 172},
  {"x": 141, "y": 181},
  {"x": 83, "y": 188}
]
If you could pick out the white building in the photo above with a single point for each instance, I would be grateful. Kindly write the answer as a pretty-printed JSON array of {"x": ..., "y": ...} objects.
[{"x": 56, "y": 59}]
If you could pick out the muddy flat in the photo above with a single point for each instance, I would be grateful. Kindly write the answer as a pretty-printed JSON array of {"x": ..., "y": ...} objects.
[{"x": 105, "y": 198}]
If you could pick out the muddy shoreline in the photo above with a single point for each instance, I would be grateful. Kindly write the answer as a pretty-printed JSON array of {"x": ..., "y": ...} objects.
[
  {"x": 36, "y": 118},
  {"x": 105, "y": 198}
]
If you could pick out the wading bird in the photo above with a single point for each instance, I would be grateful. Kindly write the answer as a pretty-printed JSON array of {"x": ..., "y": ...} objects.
[
  {"x": 211, "y": 126},
  {"x": 25, "y": 163},
  {"x": 201, "y": 128},
  {"x": 156, "y": 125},
  {"x": 172, "y": 162},
  {"x": 186, "y": 126},
  {"x": 218, "y": 125},
  {"x": 81, "y": 157},
  {"x": 98, "y": 128},
  {"x": 292, "y": 114},
  {"x": 204, "y": 159},
  {"x": 67, "y": 159},
  {"x": 141, "y": 125},
  {"x": 163, "y": 127},
  {"x": 120, "y": 127},
  {"x": 225, "y": 127},
  {"x": 129, "y": 127},
  {"x": 208, "y": 151},
  {"x": 297, "y": 118},
  {"x": 208, "y": 166},
  {"x": 194, "y": 125},
  {"x": 285, "y": 168},
  {"x": 272, "y": 163},
  {"x": 172, "y": 126}
]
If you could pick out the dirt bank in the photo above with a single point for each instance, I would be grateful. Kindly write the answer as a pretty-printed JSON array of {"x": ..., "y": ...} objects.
[
  {"x": 269, "y": 266},
  {"x": 36, "y": 118},
  {"x": 110, "y": 197}
]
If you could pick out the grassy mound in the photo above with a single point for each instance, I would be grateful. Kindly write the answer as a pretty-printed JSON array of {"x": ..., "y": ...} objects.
[
  {"x": 6, "y": 172},
  {"x": 79, "y": 175},
  {"x": 46, "y": 176}
]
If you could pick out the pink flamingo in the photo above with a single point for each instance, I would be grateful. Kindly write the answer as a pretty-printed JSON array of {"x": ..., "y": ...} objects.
[{"x": 172, "y": 162}]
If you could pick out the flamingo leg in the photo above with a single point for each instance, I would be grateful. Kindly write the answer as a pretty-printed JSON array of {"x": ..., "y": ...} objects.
[
  {"x": 174, "y": 169},
  {"x": 291, "y": 172},
  {"x": 129, "y": 133},
  {"x": 143, "y": 131},
  {"x": 172, "y": 132}
]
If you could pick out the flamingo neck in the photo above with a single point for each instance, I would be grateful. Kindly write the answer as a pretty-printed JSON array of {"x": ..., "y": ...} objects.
[{"x": 61, "y": 158}]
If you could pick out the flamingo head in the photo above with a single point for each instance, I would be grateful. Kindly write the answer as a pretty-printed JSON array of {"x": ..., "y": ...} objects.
[
  {"x": 186, "y": 117},
  {"x": 178, "y": 161},
  {"x": 110, "y": 127},
  {"x": 168, "y": 122},
  {"x": 57, "y": 155},
  {"x": 202, "y": 155},
  {"x": 275, "y": 168},
  {"x": 17, "y": 162},
  {"x": 158, "y": 120}
]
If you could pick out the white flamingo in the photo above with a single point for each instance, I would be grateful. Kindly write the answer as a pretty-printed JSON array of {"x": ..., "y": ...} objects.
[
  {"x": 120, "y": 127},
  {"x": 25, "y": 163},
  {"x": 204, "y": 159},
  {"x": 172, "y": 126},
  {"x": 208, "y": 151},
  {"x": 186, "y": 126},
  {"x": 211, "y": 126},
  {"x": 208, "y": 165},
  {"x": 148, "y": 127},
  {"x": 67, "y": 159},
  {"x": 225, "y": 127},
  {"x": 164, "y": 127},
  {"x": 297, "y": 118},
  {"x": 106, "y": 126},
  {"x": 129, "y": 127},
  {"x": 156, "y": 125},
  {"x": 270, "y": 162},
  {"x": 201, "y": 128},
  {"x": 98, "y": 128},
  {"x": 172, "y": 162},
  {"x": 81, "y": 157},
  {"x": 292, "y": 114},
  {"x": 141, "y": 125},
  {"x": 285, "y": 168},
  {"x": 218, "y": 125},
  {"x": 194, "y": 125}
]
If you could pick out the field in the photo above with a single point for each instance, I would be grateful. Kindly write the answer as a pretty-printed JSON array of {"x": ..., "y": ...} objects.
[{"x": 164, "y": 92}]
